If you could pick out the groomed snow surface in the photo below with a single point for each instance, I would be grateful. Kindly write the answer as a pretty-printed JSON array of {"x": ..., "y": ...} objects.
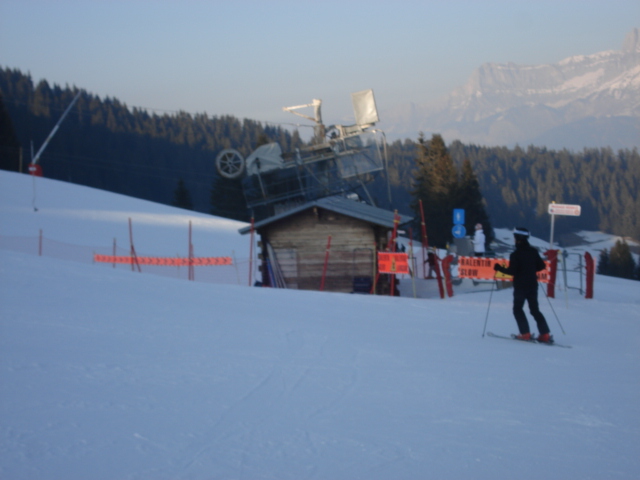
[{"x": 109, "y": 374}]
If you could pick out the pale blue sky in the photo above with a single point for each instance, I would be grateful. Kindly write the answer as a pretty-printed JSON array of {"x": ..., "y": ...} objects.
[{"x": 250, "y": 58}]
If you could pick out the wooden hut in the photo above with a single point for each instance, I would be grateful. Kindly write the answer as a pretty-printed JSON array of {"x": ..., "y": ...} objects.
[{"x": 295, "y": 244}]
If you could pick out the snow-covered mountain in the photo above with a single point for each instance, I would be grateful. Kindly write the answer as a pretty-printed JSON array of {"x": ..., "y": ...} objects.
[{"x": 581, "y": 101}]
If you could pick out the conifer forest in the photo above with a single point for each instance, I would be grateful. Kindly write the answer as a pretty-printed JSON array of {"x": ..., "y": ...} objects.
[{"x": 169, "y": 158}]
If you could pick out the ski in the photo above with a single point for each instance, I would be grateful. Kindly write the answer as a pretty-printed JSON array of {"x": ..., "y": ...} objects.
[{"x": 533, "y": 340}]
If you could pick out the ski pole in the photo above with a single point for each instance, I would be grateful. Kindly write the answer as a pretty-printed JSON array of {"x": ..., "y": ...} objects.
[
  {"x": 489, "y": 306},
  {"x": 554, "y": 312}
]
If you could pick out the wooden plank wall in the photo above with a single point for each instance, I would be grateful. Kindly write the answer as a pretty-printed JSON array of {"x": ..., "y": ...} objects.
[{"x": 300, "y": 243}]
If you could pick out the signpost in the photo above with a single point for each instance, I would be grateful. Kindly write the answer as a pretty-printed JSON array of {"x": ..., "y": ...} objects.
[
  {"x": 393, "y": 263},
  {"x": 560, "y": 209},
  {"x": 458, "y": 216},
  {"x": 458, "y": 229}
]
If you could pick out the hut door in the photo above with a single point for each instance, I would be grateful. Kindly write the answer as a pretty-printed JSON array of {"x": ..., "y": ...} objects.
[
  {"x": 288, "y": 261},
  {"x": 362, "y": 270}
]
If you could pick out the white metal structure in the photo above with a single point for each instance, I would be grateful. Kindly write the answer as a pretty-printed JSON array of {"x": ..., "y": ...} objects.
[
  {"x": 339, "y": 159},
  {"x": 35, "y": 159}
]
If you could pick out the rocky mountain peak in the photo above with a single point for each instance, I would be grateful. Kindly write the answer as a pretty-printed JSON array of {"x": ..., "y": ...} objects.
[
  {"x": 581, "y": 101},
  {"x": 632, "y": 42}
]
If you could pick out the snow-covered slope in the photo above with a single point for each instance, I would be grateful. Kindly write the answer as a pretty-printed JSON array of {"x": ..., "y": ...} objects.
[{"x": 109, "y": 374}]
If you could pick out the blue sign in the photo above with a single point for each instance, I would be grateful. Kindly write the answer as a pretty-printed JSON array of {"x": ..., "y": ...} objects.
[
  {"x": 458, "y": 216},
  {"x": 459, "y": 231}
]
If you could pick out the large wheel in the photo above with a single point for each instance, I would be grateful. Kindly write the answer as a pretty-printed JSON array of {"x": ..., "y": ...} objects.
[{"x": 230, "y": 163}]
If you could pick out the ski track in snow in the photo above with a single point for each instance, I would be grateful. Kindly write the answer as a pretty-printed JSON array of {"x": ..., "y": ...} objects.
[{"x": 109, "y": 374}]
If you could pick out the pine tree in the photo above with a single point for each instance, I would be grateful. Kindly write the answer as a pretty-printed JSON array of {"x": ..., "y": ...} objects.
[
  {"x": 603, "y": 262},
  {"x": 470, "y": 199},
  {"x": 9, "y": 145},
  {"x": 263, "y": 139},
  {"x": 621, "y": 261},
  {"x": 181, "y": 196},
  {"x": 436, "y": 184},
  {"x": 227, "y": 199},
  {"x": 41, "y": 106},
  {"x": 421, "y": 191}
]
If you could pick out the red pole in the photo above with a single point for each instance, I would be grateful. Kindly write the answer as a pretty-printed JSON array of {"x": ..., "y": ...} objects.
[
  {"x": 590, "y": 264},
  {"x": 326, "y": 262},
  {"x": 396, "y": 221},
  {"x": 191, "y": 269},
  {"x": 446, "y": 267},
  {"x": 424, "y": 240},
  {"x": 131, "y": 249},
  {"x": 411, "y": 251},
  {"x": 439, "y": 276},
  {"x": 376, "y": 275},
  {"x": 134, "y": 257},
  {"x": 251, "y": 251},
  {"x": 552, "y": 255}
]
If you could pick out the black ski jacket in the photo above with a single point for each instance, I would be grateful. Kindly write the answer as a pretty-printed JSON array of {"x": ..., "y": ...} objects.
[{"x": 524, "y": 264}]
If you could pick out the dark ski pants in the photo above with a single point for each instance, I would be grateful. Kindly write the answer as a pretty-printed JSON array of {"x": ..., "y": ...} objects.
[{"x": 531, "y": 296}]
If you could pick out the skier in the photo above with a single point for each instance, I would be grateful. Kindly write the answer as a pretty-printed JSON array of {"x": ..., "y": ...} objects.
[
  {"x": 431, "y": 263},
  {"x": 524, "y": 263},
  {"x": 478, "y": 241}
]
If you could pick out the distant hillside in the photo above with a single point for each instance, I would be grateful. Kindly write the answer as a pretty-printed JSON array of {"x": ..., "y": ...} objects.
[
  {"x": 581, "y": 101},
  {"x": 104, "y": 144},
  {"x": 518, "y": 184}
]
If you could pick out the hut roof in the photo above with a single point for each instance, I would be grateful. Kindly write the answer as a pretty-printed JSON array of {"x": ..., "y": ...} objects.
[{"x": 342, "y": 205}]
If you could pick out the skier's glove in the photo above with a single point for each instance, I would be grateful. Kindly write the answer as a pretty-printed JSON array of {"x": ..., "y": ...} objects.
[{"x": 497, "y": 267}]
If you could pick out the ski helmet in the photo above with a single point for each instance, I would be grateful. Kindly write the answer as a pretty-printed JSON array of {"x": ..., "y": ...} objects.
[{"x": 521, "y": 233}]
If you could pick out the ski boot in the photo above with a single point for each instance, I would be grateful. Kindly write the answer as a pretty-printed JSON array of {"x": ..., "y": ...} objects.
[
  {"x": 523, "y": 336},
  {"x": 545, "y": 338}
]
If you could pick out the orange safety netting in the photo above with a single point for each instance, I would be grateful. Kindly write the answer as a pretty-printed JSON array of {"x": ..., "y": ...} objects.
[
  {"x": 164, "y": 261},
  {"x": 481, "y": 268}
]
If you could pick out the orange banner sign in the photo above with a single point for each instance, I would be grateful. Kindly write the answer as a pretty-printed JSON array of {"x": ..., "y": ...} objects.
[
  {"x": 393, "y": 262},
  {"x": 481, "y": 268},
  {"x": 164, "y": 261}
]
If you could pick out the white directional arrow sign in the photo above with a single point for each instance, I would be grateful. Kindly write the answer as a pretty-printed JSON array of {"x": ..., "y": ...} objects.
[{"x": 560, "y": 209}]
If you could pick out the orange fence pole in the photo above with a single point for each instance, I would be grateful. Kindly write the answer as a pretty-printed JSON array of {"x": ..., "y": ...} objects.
[
  {"x": 251, "y": 251},
  {"x": 192, "y": 275},
  {"x": 590, "y": 265},
  {"x": 326, "y": 262},
  {"x": 424, "y": 239},
  {"x": 552, "y": 256},
  {"x": 134, "y": 257},
  {"x": 446, "y": 267},
  {"x": 396, "y": 222}
]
